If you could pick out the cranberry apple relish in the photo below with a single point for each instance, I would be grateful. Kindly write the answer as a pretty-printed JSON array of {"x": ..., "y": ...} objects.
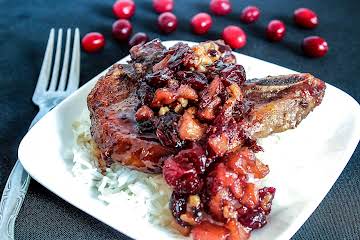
[{"x": 190, "y": 113}]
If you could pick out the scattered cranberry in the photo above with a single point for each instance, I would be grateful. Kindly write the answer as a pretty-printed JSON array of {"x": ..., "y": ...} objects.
[
  {"x": 138, "y": 38},
  {"x": 314, "y": 46},
  {"x": 306, "y": 18},
  {"x": 93, "y": 42},
  {"x": 234, "y": 36},
  {"x": 167, "y": 22},
  {"x": 275, "y": 30},
  {"x": 220, "y": 7},
  {"x": 124, "y": 9},
  {"x": 201, "y": 23},
  {"x": 250, "y": 14},
  {"x": 121, "y": 29},
  {"x": 162, "y": 6}
]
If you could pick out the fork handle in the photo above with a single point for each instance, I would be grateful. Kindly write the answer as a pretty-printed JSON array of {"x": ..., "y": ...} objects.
[
  {"x": 44, "y": 109},
  {"x": 12, "y": 199},
  {"x": 15, "y": 190}
]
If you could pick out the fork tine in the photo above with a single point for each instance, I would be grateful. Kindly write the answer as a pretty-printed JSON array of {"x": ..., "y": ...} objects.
[
  {"x": 45, "y": 67},
  {"x": 64, "y": 71},
  {"x": 74, "y": 75},
  {"x": 55, "y": 71}
]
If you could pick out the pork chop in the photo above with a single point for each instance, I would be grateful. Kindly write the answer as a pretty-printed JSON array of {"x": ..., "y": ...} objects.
[
  {"x": 276, "y": 104},
  {"x": 280, "y": 103},
  {"x": 112, "y": 104}
]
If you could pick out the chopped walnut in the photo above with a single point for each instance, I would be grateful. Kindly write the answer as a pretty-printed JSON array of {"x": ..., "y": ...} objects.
[
  {"x": 194, "y": 201},
  {"x": 205, "y": 55},
  {"x": 184, "y": 102},
  {"x": 178, "y": 108},
  {"x": 163, "y": 111}
]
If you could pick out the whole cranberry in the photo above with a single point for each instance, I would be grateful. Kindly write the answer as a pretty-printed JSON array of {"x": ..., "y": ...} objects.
[
  {"x": 220, "y": 7},
  {"x": 167, "y": 22},
  {"x": 250, "y": 14},
  {"x": 306, "y": 18},
  {"x": 314, "y": 46},
  {"x": 161, "y": 6},
  {"x": 138, "y": 38},
  {"x": 124, "y": 9},
  {"x": 121, "y": 29},
  {"x": 93, "y": 42},
  {"x": 183, "y": 179},
  {"x": 275, "y": 30},
  {"x": 201, "y": 23},
  {"x": 234, "y": 36}
]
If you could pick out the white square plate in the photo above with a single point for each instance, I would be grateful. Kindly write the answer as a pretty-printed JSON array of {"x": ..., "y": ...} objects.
[{"x": 304, "y": 162}]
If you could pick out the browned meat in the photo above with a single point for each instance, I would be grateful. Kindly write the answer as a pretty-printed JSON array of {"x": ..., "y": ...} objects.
[
  {"x": 278, "y": 103},
  {"x": 112, "y": 104},
  {"x": 282, "y": 102}
]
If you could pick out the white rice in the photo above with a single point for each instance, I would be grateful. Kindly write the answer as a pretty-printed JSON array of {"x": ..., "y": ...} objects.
[{"x": 147, "y": 193}]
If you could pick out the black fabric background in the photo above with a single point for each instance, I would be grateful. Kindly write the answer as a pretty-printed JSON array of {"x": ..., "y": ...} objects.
[{"x": 24, "y": 29}]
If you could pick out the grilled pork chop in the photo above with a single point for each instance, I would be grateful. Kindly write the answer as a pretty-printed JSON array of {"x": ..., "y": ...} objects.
[
  {"x": 112, "y": 104},
  {"x": 276, "y": 104},
  {"x": 281, "y": 102}
]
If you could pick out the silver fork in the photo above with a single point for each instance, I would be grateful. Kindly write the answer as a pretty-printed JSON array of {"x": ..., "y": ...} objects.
[{"x": 48, "y": 93}]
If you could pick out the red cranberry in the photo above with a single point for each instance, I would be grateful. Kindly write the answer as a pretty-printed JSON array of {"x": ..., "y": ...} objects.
[
  {"x": 314, "y": 46},
  {"x": 275, "y": 30},
  {"x": 220, "y": 7},
  {"x": 93, "y": 42},
  {"x": 201, "y": 23},
  {"x": 167, "y": 129},
  {"x": 167, "y": 22},
  {"x": 162, "y": 6},
  {"x": 177, "y": 206},
  {"x": 250, "y": 14},
  {"x": 254, "y": 219},
  {"x": 306, "y": 18},
  {"x": 121, "y": 29},
  {"x": 182, "y": 171},
  {"x": 138, "y": 38},
  {"x": 124, "y": 8},
  {"x": 234, "y": 36},
  {"x": 182, "y": 179},
  {"x": 196, "y": 80}
]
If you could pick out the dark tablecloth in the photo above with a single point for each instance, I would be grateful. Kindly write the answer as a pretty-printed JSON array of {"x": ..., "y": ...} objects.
[{"x": 24, "y": 28}]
